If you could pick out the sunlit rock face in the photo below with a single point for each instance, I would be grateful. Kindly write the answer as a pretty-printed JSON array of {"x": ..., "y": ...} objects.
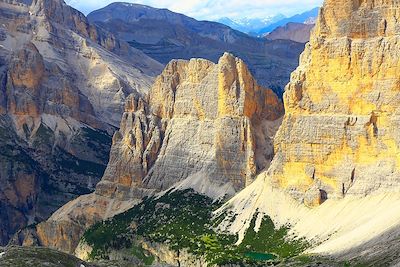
[
  {"x": 340, "y": 132},
  {"x": 204, "y": 126},
  {"x": 335, "y": 177}
]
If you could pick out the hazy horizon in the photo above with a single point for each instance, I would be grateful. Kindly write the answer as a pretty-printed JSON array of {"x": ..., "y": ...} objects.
[{"x": 213, "y": 9}]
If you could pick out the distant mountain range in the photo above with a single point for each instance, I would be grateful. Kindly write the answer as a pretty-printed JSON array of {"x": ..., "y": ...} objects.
[
  {"x": 308, "y": 17},
  {"x": 165, "y": 35},
  {"x": 259, "y": 27},
  {"x": 250, "y": 26}
]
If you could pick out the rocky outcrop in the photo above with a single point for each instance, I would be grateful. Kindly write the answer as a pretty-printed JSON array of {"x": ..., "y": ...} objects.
[
  {"x": 63, "y": 83},
  {"x": 206, "y": 123},
  {"x": 204, "y": 126},
  {"x": 218, "y": 113},
  {"x": 162, "y": 253},
  {"x": 11, "y": 256},
  {"x": 135, "y": 148}
]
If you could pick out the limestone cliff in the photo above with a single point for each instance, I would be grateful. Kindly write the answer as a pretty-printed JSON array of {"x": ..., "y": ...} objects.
[
  {"x": 204, "y": 126},
  {"x": 339, "y": 143},
  {"x": 208, "y": 124},
  {"x": 339, "y": 134},
  {"x": 63, "y": 83}
]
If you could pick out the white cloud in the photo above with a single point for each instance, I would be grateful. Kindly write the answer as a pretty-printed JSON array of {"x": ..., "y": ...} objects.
[{"x": 213, "y": 9}]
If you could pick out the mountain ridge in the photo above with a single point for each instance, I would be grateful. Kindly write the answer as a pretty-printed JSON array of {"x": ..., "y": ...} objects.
[
  {"x": 165, "y": 35},
  {"x": 250, "y": 26},
  {"x": 298, "y": 32}
]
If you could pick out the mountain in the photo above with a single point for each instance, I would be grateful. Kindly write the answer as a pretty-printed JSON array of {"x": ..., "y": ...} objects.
[
  {"x": 63, "y": 86},
  {"x": 307, "y": 17},
  {"x": 165, "y": 35},
  {"x": 298, "y": 32},
  {"x": 208, "y": 168},
  {"x": 335, "y": 175},
  {"x": 250, "y": 26},
  {"x": 205, "y": 126}
]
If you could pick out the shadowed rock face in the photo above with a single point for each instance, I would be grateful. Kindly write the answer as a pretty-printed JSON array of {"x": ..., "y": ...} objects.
[
  {"x": 339, "y": 134},
  {"x": 165, "y": 35},
  {"x": 63, "y": 83},
  {"x": 204, "y": 126}
]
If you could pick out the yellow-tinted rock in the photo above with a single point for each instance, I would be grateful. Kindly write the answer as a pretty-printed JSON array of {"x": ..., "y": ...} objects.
[{"x": 342, "y": 105}]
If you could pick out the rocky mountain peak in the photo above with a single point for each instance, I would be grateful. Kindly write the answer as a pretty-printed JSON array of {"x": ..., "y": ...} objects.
[
  {"x": 58, "y": 11},
  {"x": 347, "y": 80},
  {"x": 187, "y": 96},
  {"x": 238, "y": 93}
]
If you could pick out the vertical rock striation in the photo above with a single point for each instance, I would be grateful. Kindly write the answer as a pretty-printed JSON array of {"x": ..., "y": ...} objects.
[
  {"x": 214, "y": 113},
  {"x": 339, "y": 134},
  {"x": 205, "y": 123}
]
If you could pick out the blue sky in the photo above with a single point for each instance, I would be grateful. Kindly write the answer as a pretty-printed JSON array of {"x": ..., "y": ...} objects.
[{"x": 214, "y": 9}]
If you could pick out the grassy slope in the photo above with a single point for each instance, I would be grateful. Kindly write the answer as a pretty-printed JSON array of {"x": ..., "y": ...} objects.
[{"x": 183, "y": 220}]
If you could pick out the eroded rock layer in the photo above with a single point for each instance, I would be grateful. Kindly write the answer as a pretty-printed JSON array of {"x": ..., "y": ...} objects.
[{"x": 204, "y": 126}]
